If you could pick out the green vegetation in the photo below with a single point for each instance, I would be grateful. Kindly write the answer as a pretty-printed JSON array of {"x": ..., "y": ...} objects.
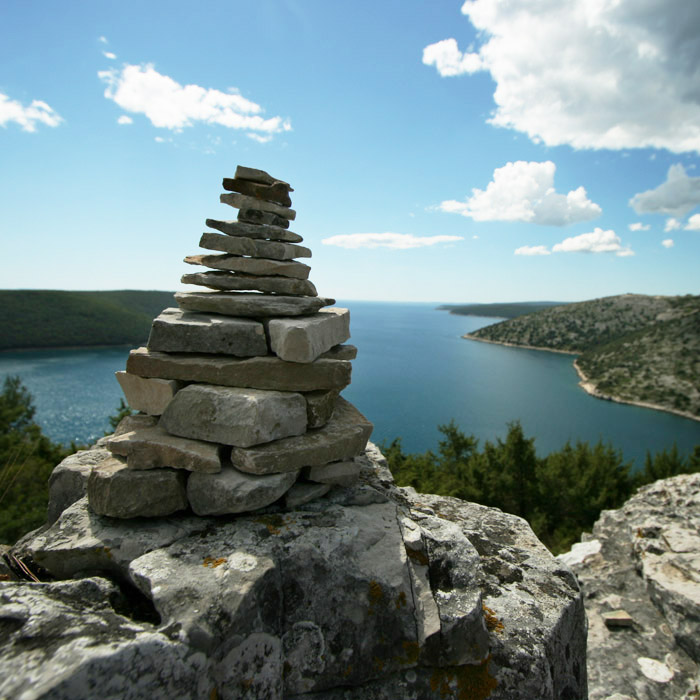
[
  {"x": 26, "y": 460},
  {"x": 499, "y": 310},
  {"x": 560, "y": 495},
  {"x": 52, "y": 319},
  {"x": 632, "y": 347}
]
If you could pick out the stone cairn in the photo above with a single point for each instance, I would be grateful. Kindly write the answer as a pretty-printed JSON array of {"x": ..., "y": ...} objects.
[{"x": 239, "y": 387}]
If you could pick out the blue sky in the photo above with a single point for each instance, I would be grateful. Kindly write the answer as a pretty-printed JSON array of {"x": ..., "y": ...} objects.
[{"x": 447, "y": 151}]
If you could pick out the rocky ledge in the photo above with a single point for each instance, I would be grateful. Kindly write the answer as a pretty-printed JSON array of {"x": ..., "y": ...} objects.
[
  {"x": 640, "y": 574},
  {"x": 371, "y": 591}
]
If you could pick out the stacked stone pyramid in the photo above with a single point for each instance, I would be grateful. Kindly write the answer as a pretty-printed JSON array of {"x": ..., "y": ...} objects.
[{"x": 239, "y": 388}]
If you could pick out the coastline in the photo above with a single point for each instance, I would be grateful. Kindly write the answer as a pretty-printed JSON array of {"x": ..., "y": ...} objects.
[
  {"x": 70, "y": 347},
  {"x": 588, "y": 386}
]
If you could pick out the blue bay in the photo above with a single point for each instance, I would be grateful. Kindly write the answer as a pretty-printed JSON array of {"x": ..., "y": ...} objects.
[{"x": 413, "y": 372}]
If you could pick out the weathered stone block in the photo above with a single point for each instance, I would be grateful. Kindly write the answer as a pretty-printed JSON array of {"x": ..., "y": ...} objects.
[
  {"x": 344, "y": 436},
  {"x": 319, "y": 407},
  {"x": 119, "y": 492},
  {"x": 236, "y": 245},
  {"x": 306, "y": 338},
  {"x": 252, "y": 266},
  {"x": 336, "y": 473},
  {"x": 175, "y": 330},
  {"x": 267, "y": 372},
  {"x": 147, "y": 395},
  {"x": 231, "y": 491},
  {"x": 266, "y": 218},
  {"x": 153, "y": 447},
  {"x": 255, "y": 305},
  {"x": 262, "y": 231},
  {"x": 277, "y": 192},
  {"x": 341, "y": 352},
  {"x": 240, "y": 201},
  {"x": 234, "y": 416},
  {"x": 302, "y": 493},
  {"x": 255, "y": 175},
  {"x": 228, "y": 281}
]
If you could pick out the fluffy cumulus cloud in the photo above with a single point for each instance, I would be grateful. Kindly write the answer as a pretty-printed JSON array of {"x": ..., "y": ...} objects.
[
  {"x": 638, "y": 226},
  {"x": 668, "y": 243},
  {"x": 28, "y": 116},
  {"x": 598, "y": 241},
  {"x": 169, "y": 105},
  {"x": 693, "y": 223},
  {"x": 677, "y": 196},
  {"x": 396, "y": 241},
  {"x": 592, "y": 74},
  {"x": 672, "y": 225},
  {"x": 125, "y": 119},
  {"x": 532, "y": 250},
  {"x": 524, "y": 191}
]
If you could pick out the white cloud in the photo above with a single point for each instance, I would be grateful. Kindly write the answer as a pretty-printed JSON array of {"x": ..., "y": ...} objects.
[
  {"x": 260, "y": 138},
  {"x": 693, "y": 223},
  {"x": 37, "y": 112},
  {"x": 449, "y": 60},
  {"x": 672, "y": 225},
  {"x": 668, "y": 243},
  {"x": 124, "y": 119},
  {"x": 591, "y": 74},
  {"x": 532, "y": 250},
  {"x": 677, "y": 196},
  {"x": 598, "y": 241},
  {"x": 524, "y": 191},
  {"x": 169, "y": 105},
  {"x": 396, "y": 241},
  {"x": 639, "y": 227},
  {"x": 103, "y": 40},
  {"x": 109, "y": 54}
]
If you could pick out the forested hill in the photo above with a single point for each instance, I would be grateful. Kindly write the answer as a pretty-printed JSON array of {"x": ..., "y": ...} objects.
[
  {"x": 500, "y": 309},
  {"x": 52, "y": 319},
  {"x": 641, "y": 349}
]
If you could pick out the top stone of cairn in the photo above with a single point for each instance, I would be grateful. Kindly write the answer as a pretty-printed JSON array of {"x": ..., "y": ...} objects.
[{"x": 258, "y": 184}]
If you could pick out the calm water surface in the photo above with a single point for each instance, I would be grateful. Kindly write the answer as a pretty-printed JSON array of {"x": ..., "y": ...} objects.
[{"x": 413, "y": 372}]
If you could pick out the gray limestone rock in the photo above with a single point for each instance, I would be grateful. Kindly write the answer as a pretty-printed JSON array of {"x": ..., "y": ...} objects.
[
  {"x": 231, "y": 491},
  {"x": 240, "y": 201},
  {"x": 302, "y": 493},
  {"x": 344, "y": 473},
  {"x": 147, "y": 395},
  {"x": 304, "y": 339},
  {"x": 237, "y": 245},
  {"x": 175, "y": 330},
  {"x": 64, "y": 641},
  {"x": 319, "y": 407},
  {"x": 341, "y": 352},
  {"x": 228, "y": 281},
  {"x": 262, "y": 231},
  {"x": 233, "y": 415},
  {"x": 68, "y": 480},
  {"x": 252, "y": 266},
  {"x": 347, "y": 601},
  {"x": 344, "y": 436},
  {"x": 119, "y": 492},
  {"x": 277, "y": 192},
  {"x": 267, "y": 372},
  {"x": 254, "y": 305},
  {"x": 255, "y": 175},
  {"x": 265, "y": 218},
  {"x": 154, "y": 447},
  {"x": 644, "y": 558}
]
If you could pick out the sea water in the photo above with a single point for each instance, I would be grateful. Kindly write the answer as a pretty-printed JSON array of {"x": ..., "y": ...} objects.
[{"x": 413, "y": 372}]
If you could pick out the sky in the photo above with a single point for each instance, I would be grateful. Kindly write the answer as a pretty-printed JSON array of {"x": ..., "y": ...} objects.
[{"x": 479, "y": 151}]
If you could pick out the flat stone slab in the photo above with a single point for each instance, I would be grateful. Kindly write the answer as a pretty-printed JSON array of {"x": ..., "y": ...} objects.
[
  {"x": 238, "y": 245},
  {"x": 343, "y": 437},
  {"x": 250, "y": 305},
  {"x": 234, "y": 416},
  {"x": 147, "y": 395},
  {"x": 336, "y": 473},
  {"x": 151, "y": 448},
  {"x": 302, "y": 493},
  {"x": 255, "y": 216},
  {"x": 175, "y": 330},
  {"x": 319, "y": 407},
  {"x": 267, "y": 372},
  {"x": 240, "y": 201},
  {"x": 277, "y": 192},
  {"x": 261, "y": 231},
  {"x": 341, "y": 352},
  {"x": 256, "y": 175},
  {"x": 231, "y": 491},
  {"x": 306, "y": 338},
  {"x": 119, "y": 492},
  {"x": 229, "y": 281},
  {"x": 252, "y": 266}
]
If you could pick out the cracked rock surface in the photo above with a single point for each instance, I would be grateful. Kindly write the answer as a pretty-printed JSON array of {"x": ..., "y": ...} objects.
[{"x": 372, "y": 592}]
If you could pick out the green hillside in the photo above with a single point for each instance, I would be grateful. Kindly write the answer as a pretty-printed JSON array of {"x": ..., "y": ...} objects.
[
  {"x": 51, "y": 319},
  {"x": 632, "y": 347},
  {"x": 499, "y": 310}
]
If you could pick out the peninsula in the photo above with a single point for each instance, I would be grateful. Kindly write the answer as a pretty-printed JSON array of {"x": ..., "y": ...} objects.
[{"x": 631, "y": 348}]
